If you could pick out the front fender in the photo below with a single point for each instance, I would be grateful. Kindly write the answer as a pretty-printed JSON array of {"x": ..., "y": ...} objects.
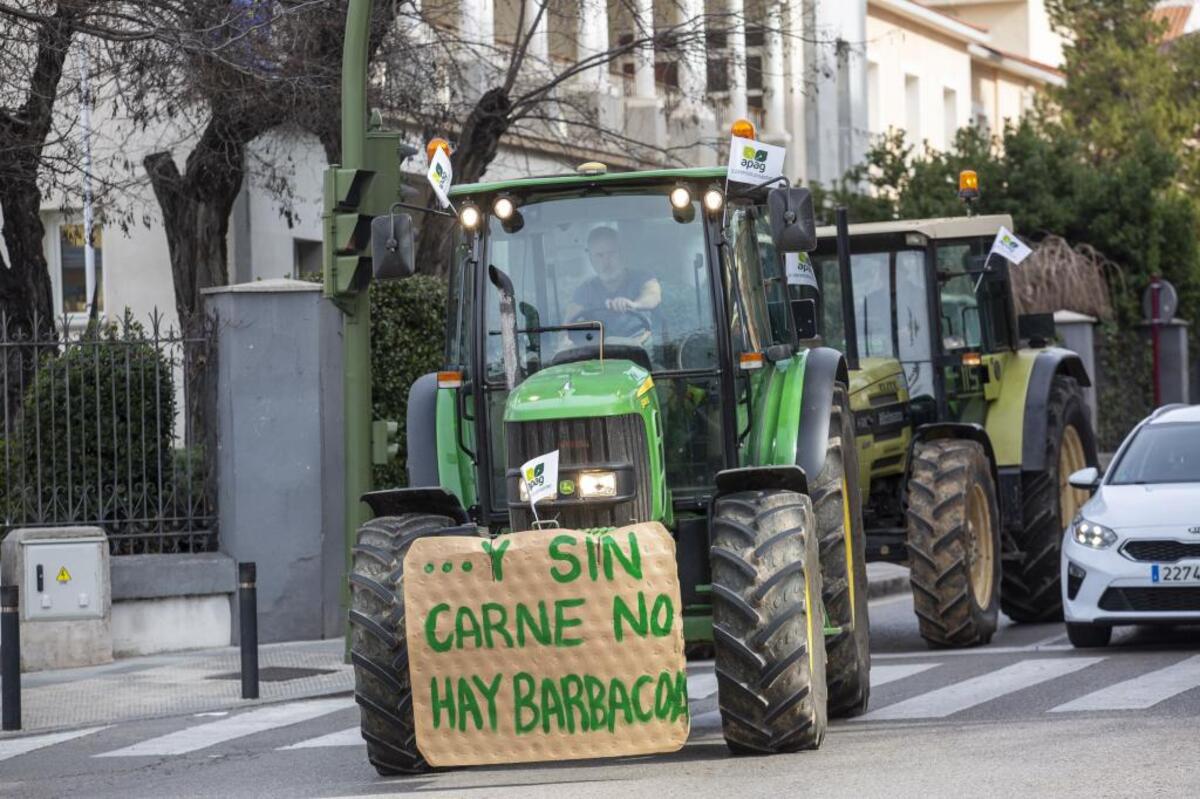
[{"x": 823, "y": 368}]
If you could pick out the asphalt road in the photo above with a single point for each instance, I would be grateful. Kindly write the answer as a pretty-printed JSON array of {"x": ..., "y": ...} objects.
[{"x": 1027, "y": 716}]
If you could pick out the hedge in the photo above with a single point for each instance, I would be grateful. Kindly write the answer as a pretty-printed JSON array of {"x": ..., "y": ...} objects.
[
  {"x": 408, "y": 336},
  {"x": 95, "y": 433}
]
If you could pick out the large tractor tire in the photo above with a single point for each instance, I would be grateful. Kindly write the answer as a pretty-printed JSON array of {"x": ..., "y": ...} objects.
[
  {"x": 767, "y": 622},
  {"x": 953, "y": 543},
  {"x": 838, "y": 508},
  {"x": 378, "y": 649},
  {"x": 1032, "y": 590}
]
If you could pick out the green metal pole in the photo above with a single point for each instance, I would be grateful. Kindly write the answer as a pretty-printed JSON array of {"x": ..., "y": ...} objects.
[{"x": 356, "y": 319}]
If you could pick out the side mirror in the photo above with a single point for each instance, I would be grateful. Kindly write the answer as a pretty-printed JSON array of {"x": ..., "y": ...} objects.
[
  {"x": 804, "y": 314},
  {"x": 392, "y": 247},
  {"x": 1038, "y": 328},
  {"x": 1087, "y": 479},
  {"x": 793, "y": 223}
]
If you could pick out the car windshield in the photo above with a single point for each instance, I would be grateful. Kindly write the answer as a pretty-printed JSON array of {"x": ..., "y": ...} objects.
[
  {"x": 1161, "y": 453},
  {"x": 621, "y": 259}
]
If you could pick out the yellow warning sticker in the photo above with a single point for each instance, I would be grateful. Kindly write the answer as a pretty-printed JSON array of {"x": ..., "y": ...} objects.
[
  {"x": 64, "y": 576},
  {"x": 646, "y": 385}
]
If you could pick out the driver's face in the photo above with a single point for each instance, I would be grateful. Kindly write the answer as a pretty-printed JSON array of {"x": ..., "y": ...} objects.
[{"x": 606, "y": 260}]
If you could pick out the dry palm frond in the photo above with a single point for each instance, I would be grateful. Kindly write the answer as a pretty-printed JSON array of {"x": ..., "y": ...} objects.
[{"x": 1060, "y": 277}]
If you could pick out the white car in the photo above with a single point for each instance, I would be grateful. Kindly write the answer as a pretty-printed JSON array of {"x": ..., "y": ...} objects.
[{"x": 1132, "y": 555}]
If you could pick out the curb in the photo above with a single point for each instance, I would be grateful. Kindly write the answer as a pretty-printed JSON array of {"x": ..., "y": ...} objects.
[{"x": 888, "y": 587}]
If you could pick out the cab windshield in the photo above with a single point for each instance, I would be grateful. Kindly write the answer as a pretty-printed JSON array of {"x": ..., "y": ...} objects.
[
  {"x": 890, "y": 310},
  {"x": 622, "y": 260}
]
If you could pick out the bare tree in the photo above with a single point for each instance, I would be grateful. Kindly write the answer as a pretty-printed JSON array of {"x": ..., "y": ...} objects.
[{"x": 33, "y": 51}]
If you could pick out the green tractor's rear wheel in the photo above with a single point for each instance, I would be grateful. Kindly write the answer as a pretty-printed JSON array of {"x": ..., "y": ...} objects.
[
  {"x": 378, "y": 649},
  {"x": 1032, "y": 591},
  {"x": 953, "y": 543},
  {"x": 838, "y": 509},
  {"x": 767, "y": 622}
]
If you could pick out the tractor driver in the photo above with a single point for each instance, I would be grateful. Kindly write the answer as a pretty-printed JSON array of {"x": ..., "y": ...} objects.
[{"x": 629, "y": 295}]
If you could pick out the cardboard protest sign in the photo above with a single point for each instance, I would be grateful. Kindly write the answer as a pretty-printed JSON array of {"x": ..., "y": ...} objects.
[
  {"x": 753, "y": 161},
  {"x": 546, "y": 645}
]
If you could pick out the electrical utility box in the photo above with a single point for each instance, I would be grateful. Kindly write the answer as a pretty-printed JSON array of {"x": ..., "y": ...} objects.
[
  {"x": 66, "y": 596},
  {"x": 62, "y": 579}
]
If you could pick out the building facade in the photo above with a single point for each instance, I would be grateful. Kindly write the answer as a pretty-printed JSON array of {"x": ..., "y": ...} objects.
[{"x": 820, "y": 77}]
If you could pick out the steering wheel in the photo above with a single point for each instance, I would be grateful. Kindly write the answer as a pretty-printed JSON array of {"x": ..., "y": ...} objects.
[
  {"x": 696, "y": 350},
  {"x": 618, "y": 325}
]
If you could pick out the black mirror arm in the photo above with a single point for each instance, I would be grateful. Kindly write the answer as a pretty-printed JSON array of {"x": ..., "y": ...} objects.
[
  {"x": 747, "y": 192},
  {"x": 421, "y": 208}
]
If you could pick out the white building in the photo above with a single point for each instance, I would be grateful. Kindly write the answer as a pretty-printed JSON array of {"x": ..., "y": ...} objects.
[{"x": 818, "y": 76}]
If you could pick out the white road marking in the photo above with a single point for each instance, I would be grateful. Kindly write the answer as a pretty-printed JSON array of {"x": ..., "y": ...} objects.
[
  {"x": 882, "y": 675},
  {"x": 11, "y": 747},
  {"x": 960, "y": 696},
  {"x": 1141, "y": 692},
  {"x": 249, "y": 723},
  {"x": 349, "y": 737},
  {"x": 974, "y": 652},
  {"x": 701, "y": 685}
]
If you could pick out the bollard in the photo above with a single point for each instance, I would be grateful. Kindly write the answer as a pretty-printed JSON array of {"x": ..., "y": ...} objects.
[
  {"x": 10, "y": 657},
  {"x": 248, "y": 606}
]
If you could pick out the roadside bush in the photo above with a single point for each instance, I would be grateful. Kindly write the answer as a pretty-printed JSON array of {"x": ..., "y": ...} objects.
[
  {"x": 408, "y": 334},
  {"x": 1124, "y": 382},
  {"x": 93, "y": 441}
]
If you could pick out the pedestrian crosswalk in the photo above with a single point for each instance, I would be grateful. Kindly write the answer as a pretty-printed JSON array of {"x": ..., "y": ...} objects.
[{"x": 924, "y": 690}]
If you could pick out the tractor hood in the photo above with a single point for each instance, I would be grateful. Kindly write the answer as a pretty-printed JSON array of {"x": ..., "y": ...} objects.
[
  {"x": 581, "y": 389},
  {"x": 874, "y": 370}
]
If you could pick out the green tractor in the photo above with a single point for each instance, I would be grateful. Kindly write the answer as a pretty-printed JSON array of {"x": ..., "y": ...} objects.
[
  {"x": 968, "y": 423},
  {"x": 631, "y": 322}
]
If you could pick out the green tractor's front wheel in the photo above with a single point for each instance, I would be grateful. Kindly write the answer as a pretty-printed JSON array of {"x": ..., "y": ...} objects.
[
  {"x": 767, "y": 622},
  {"x": 838, "y": 508},
  {"x": 378, "y": 650}
]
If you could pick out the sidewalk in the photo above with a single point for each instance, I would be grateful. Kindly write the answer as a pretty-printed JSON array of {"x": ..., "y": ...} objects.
[
  {"x": 169, "y": 685},
  {"x": 209, "y": 680}
]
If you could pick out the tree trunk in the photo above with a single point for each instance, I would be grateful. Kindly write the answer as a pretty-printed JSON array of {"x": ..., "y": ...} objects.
[
  {"x": 26, "y": 293},
  {"x": 478, "y": 143},
  {"x": 196, "y": 208}
]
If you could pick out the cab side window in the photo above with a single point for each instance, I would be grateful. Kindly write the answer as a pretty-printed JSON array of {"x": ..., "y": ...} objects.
[
  {"x": 774, "y": 280},
  {"x": 750, "y": 326}
]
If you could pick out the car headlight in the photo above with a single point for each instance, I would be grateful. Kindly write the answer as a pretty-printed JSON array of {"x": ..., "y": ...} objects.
[
  {"x": 597, "y": 484},
  {"x": 1093, "y": 535}
]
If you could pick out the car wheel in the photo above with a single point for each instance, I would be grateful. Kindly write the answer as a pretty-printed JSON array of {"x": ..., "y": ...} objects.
[{"x": 1086, "y": 636}]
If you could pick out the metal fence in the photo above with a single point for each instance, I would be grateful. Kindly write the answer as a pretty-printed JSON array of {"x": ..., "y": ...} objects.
[{"x": 105, "y": 424}]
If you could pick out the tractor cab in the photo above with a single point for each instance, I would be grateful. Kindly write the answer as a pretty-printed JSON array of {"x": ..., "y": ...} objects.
[
  {"x": 635, "y": 300},
  {"x": 967, "y": 420}
]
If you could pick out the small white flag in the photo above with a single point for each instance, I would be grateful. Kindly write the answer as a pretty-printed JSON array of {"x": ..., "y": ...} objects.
[
  {"x": 799, "y": 270},
  {"x": 752, "y": 161},
  {"x": 440, "y": 175},
  {"x": 1008, "y": 245},
  {"x": 540, "y": 476}
]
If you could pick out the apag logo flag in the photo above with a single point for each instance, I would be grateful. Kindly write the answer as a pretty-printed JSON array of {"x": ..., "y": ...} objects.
[
  {"x": 440, "y": 176},
  {"x": 752, "y": 161},
  {"x": 1008, "y": 245},
  {"x": 540, "y": 476}
]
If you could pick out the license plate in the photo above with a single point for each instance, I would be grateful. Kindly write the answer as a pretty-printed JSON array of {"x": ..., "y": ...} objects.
[{"x": 1175, "y": 573}]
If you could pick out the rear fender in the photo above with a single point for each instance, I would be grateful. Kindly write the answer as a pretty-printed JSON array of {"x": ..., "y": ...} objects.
[{"x": 1049, "y": 363}]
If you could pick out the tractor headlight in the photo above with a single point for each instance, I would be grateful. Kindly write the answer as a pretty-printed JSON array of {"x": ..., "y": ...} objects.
[
  {"x": 597, "y": 484},
  {"x": 523, "y": 490},
  {"x": 1093, "y": 535}
]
